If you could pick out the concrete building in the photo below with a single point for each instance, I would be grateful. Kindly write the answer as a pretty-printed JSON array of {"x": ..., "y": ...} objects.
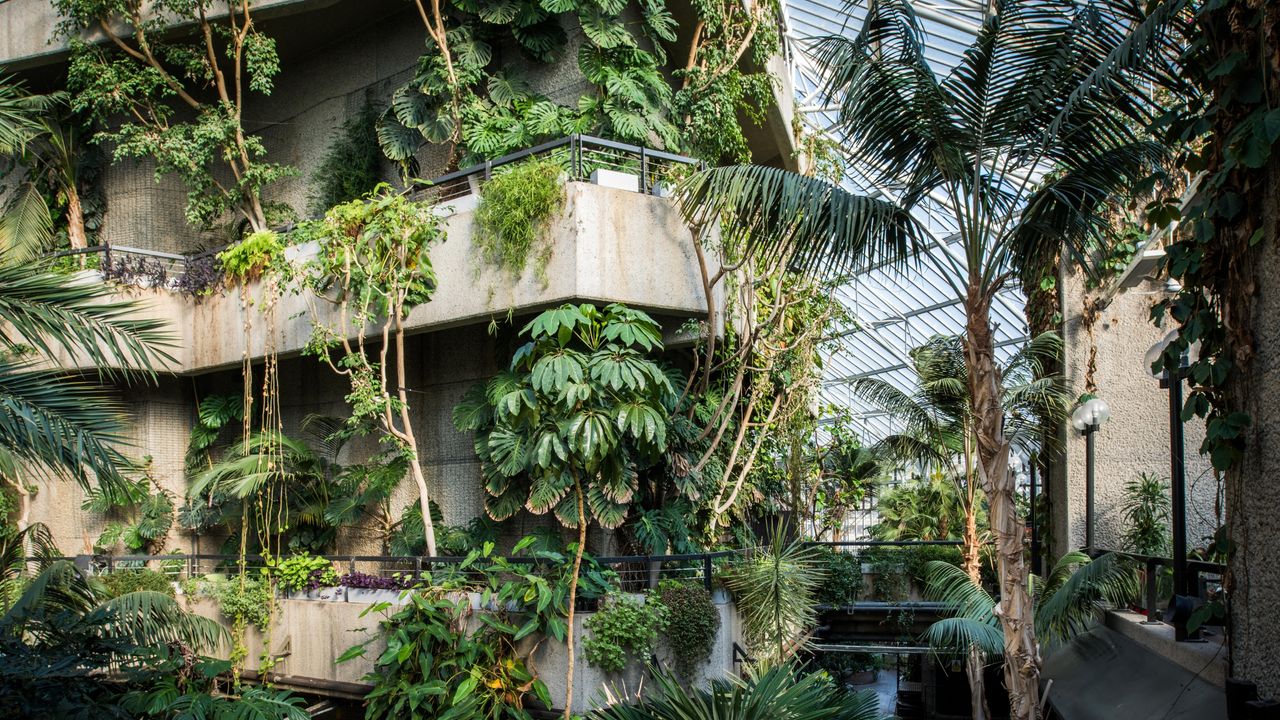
[{"x": 337, "y": 56}]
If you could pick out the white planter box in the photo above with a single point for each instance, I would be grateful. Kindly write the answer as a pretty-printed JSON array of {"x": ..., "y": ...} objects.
[
  {"x": 366, "y": 595},
  {"x": 325, "y": 594},
  {"x": 616, "y": 180}
]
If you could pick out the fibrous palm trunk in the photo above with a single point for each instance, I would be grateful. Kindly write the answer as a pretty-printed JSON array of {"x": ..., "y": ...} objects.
[
  {"x": 975, "y": 664},
  {"x": 1015, "y": 610}
]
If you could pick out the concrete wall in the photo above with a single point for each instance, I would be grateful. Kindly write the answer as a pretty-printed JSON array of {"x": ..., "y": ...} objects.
[
  {"x": 1253, "y": 490},
  {"x": 1136, "y": 440},
  {"x": 308, "y": 635},
  {"x": 608, "y": 246}
]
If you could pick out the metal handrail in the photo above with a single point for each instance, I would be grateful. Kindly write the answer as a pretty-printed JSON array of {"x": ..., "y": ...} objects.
[
  {"x": 418, "y": 562},
  {"x": 576, "y": 143}
]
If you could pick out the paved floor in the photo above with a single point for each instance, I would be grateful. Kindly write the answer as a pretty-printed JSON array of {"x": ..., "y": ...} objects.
[{"x": 885, "y": 688}]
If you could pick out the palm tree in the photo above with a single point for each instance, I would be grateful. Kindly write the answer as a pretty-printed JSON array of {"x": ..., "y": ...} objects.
[
  {"x": 59, "y": 419},
  {"x": 938, "y": 429},
  {"x": 1022, "y": 145},
  {"x": 1068, "y": 601}
]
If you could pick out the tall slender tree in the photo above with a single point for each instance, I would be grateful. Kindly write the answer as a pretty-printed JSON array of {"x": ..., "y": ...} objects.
[
  {"x": 1022, "y": 144},
  {"x": 938, "y": 432}
]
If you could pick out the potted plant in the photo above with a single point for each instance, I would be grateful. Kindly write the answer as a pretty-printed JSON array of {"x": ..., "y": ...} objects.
[
  {"x": 303, "y": 576},
  {"x": 366, "y": 588}
]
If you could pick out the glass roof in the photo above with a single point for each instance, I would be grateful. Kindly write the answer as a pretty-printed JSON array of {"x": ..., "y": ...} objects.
[{"x": 893, "y": 311}]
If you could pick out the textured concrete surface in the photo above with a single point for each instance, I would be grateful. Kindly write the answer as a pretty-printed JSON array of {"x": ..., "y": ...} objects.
[
  {"x": 308, "y": 635},
  {"x": 27, "y": 28},
  {"x": 608, "y": 246},
  {"x": 1207, "y": 660},
  {"x": 1104, "y": 674},
  {"x": 1136, "y": 440},
  {"x": 1253, "y": 491}
]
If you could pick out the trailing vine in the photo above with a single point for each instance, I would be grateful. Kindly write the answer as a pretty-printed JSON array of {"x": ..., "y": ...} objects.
[
  {"x": 1212, "y": 255},
  {"x": 512, "y": 218}
]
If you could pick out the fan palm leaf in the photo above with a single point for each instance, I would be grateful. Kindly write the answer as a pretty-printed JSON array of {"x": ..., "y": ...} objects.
[{"x": 779, "y": 692}]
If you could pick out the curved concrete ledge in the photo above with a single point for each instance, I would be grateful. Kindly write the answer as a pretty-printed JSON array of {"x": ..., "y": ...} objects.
[{"x": 607, "y": 246}]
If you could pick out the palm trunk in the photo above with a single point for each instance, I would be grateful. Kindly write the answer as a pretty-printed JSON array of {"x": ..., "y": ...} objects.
[
  {"x": 75, "y": 221},
  {"x": 1015, "y": 610},
  {"x": 976, "y": 662},
  {"x": 573, "y": 599}
]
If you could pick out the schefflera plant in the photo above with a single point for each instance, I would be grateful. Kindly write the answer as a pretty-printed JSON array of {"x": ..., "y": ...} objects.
[{"x": 567, "y": 428}]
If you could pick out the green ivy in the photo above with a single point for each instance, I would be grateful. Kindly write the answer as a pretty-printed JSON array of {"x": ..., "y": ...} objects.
[
  {"x": 692, "y": 624},
  {"x": 624, "y": 629},
  {"x": 1231, "y": 128},
  {"x": 515, "y": 208}
]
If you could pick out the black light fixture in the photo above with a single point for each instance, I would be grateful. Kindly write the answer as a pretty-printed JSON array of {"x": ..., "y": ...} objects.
[
  {"x": 1171, "y": 380},
  {"x": 1087, "y": 418}
]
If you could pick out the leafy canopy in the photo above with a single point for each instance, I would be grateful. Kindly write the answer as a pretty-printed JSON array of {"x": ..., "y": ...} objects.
[{"x": 583, "y": 407}]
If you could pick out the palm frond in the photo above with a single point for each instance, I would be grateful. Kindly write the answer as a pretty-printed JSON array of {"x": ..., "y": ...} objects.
[
  {"x": 68, "y": 425},
  {"x": 147, "y": 618},
  {"x": 955, "y": 635},
  {"x": 26, "y": 225},
  {"x": 1070, "y": 606},
  {"x": 804, "y": 221},
  {"x": 53, "y": 314}
]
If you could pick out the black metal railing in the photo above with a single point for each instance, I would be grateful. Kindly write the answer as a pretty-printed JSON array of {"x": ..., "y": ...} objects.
[
  {"x": 635, "y": 573},
  {"x": 1196, "y": 569},
  {"x": 583, "y": 157}
]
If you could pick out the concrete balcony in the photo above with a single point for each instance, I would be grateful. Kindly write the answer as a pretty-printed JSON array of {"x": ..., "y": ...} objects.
[{"x": 608, "y": 245}]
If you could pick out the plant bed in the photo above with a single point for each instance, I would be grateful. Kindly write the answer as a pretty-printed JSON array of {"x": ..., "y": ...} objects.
[{"x": 323, "y": 594}]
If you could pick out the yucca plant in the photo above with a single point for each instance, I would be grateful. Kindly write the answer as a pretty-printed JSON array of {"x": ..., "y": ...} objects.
[
  {"x": 777, "y": 693},
  {"x": 776, "y": 591}
]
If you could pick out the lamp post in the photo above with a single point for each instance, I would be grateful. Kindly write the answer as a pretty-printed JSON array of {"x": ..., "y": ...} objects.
[
  {"x": 1171, "y": 380},
  {"x": 1087, "y": 419}
]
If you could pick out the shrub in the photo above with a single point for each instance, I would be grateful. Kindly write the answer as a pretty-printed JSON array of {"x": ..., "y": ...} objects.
[
  {"x": 306, "y": 572},
  {"x": 365, "y": 581},
  {"x": 123, "y": 582},
  {"x": 692, "y": 624},
  {"x": 843, "y": 585},
  {"x": 433, "y": 668},
  {"x": 624, "y": 628},
  {"x": 515, "y": 207}
]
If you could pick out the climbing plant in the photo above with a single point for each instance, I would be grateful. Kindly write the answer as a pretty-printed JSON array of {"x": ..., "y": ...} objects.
[
  {"x": 351, "y": 167},
  {"x": 177, "y": 98}
]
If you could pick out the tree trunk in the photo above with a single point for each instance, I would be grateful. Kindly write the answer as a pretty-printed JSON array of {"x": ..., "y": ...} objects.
[
  {"x": 1015, "y": 609},
  {"x": 573, "y": 599},
  {"x": 75, "y": 221},
  {"x": 975, "y": 664}
]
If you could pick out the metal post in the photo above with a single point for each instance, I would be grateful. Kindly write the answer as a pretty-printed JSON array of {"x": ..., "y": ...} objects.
[
  {"x": 1088, "y": 487},
  {"x": 706, "y": 572},
  {"x": 1035, "y": 530},
  {"x": 1178, "y": 491}
]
